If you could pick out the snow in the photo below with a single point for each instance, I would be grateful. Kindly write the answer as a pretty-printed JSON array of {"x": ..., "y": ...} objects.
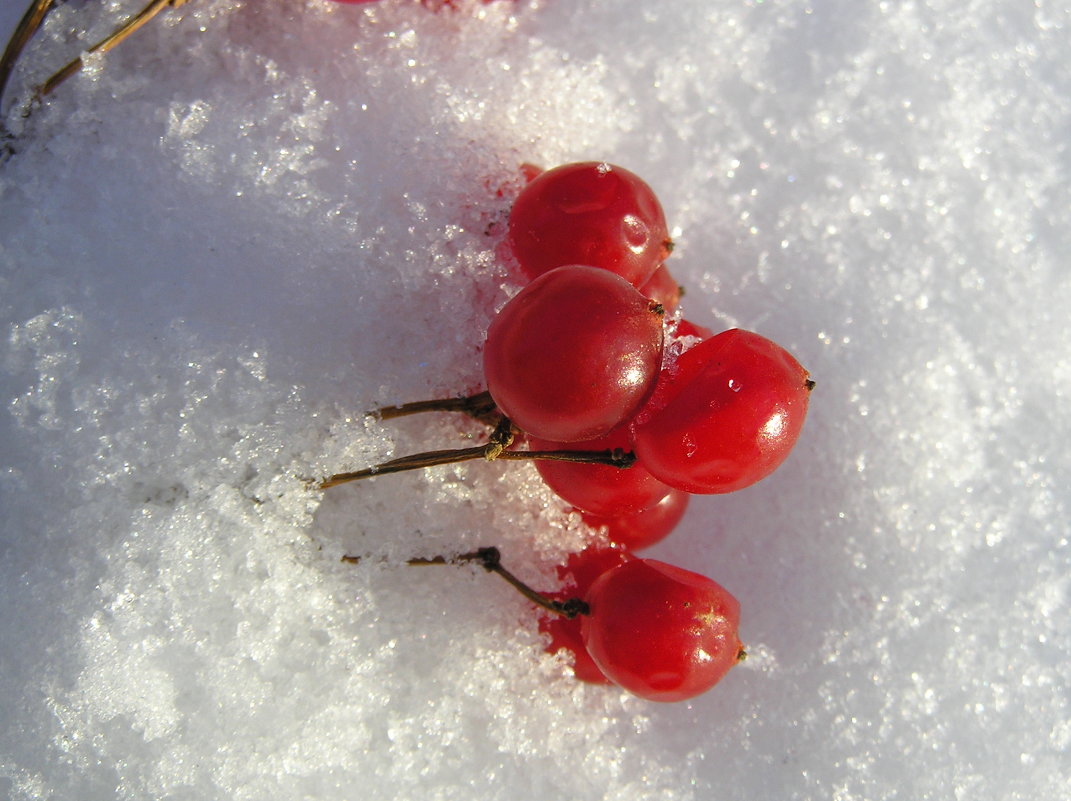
[{"x": 253, "y": 221}]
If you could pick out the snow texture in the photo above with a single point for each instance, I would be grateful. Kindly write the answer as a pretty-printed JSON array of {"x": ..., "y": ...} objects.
[{"x": 256, "y": 219}]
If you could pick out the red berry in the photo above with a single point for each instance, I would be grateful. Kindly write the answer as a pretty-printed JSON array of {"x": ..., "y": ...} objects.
[
  {"x": 643, "y": 529},
  {"x": 578, "y": 574},
  {"x": 565, "y": 635},
  {"x": 725, "y": 416},
  {"x": 686, "y": 328},
  {"x": 583, "y": 569},
  {"x": 662, "y": 287},
  {"x": 573, "y": 355},
  {"x": 661, "y": 632},
  {"x": 600, "y": 489},
  {"x": 589, "y": 213}
]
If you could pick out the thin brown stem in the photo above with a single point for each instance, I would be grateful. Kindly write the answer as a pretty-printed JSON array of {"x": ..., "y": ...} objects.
[
  {"x": 25, "y": 30},
  {"x": 490, "y": 559},
  {"x": 479, "y": 407},
  {"x": 570, "y": 608},
  {"x": 120, "y": 35},
  {"x": 612, "y": 458},
  {"x": 416, "y": 461},
  {"x": 500, "y": 439}
]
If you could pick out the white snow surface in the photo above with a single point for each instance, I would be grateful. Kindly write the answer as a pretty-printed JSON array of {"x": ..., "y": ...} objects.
[{"x": 256, "y": 219}]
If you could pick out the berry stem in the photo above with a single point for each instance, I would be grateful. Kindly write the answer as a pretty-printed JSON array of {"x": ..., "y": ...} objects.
[
  {"x": 121, "y": 34},
  {"x": 611, "y": 457},
  {"x": 490, "y": 559},
  {"x": 500, "y": 439},
  {"x": 479, "y": 407},
  {"x": 25, "y": 30},
  {"x": 417, "y": 461}
]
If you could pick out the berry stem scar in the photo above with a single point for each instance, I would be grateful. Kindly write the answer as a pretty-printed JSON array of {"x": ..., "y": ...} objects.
[{"x": 490, "y": 559}]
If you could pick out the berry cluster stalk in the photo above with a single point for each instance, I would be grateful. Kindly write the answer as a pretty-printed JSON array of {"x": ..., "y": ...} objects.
[
  {"x": 25, "y": 30},
  {"x": 480, "y": 407},
  {"x": 490, "y": 559}
]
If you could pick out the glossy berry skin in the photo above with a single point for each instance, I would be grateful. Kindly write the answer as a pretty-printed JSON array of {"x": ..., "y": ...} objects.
[
  {"x": 578, "y": 574},
  {"x": 686, "y": 328},
  {"x": 643, "y": 529},
  {"x": 661, "y": 632},
  {"x": 725, "y": 416},
  {"x": 600, "y": 489},
  {"x": 573, "y": 354},
  {"x": 589, "y": 213},
  {"x": 663, "y": 288}
]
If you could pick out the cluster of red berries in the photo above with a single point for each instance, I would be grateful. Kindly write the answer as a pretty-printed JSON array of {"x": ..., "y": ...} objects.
[
  {"x": 626, "y": 409},
  {"x": 597, "y": 357},
  {"x": 625, "y": 406}
]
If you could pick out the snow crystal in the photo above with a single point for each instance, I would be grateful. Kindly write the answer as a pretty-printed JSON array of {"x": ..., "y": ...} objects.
[{"x": 255, "y": 221}]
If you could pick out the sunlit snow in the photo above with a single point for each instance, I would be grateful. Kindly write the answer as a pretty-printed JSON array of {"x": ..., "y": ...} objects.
[{"x": 254, "y": 221}]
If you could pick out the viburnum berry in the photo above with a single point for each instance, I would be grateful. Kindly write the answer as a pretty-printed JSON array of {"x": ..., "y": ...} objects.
[
  {"x": 577, "y": 575},
  {"x": 589, "y": 213},
  {"x": 600, "y": 489},
  {"x": 663, "y": 288},
  {"x": 573, "y": 354},
  {"x": 725, "y": 416},
  {"x": 686, "y": 328},
  {"x": 659, "y": 631},
  {"x": 637, "y": 530}
]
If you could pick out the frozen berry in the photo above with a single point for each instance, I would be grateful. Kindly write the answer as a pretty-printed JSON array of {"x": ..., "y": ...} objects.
[
  {"x": 589, "y": 213},
  {"x": 637, "y": 530},
  {"x": 661, "y": 632},
  {"x": 725, "y": 416},
  {"x": 600, "y": 489},
  {"x": 574, "y": 354}
]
